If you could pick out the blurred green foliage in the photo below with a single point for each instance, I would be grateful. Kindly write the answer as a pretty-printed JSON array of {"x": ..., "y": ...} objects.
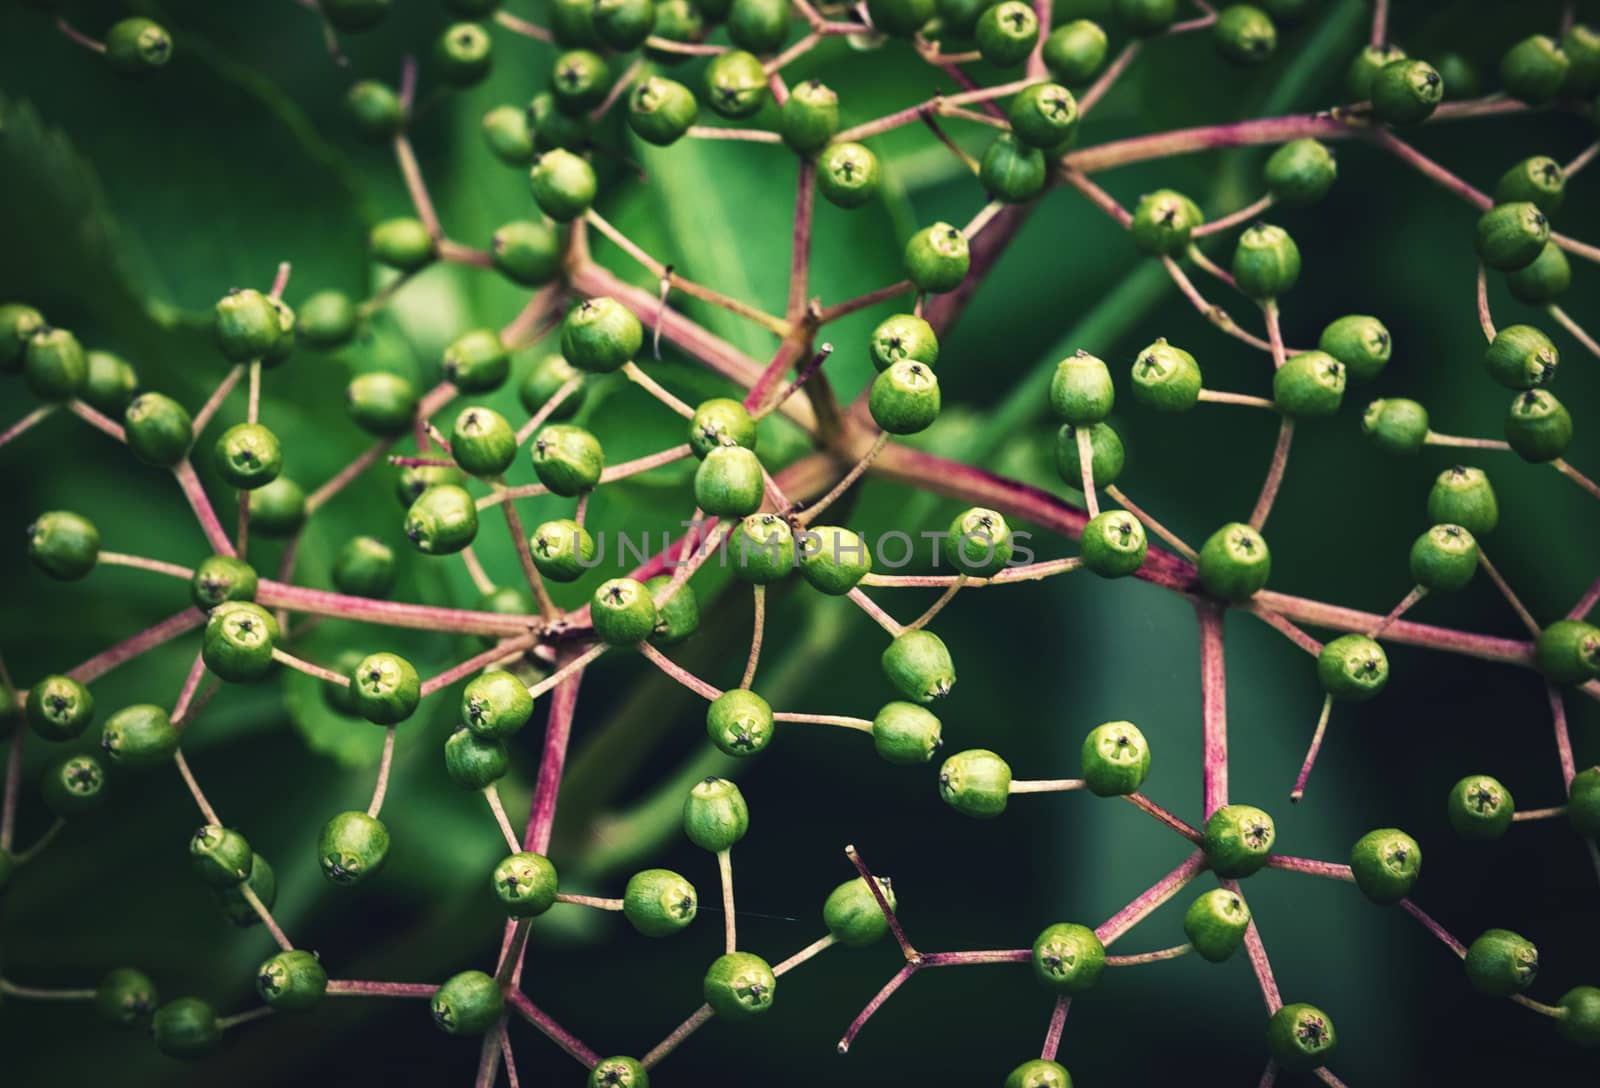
[{"x": 130, "y": 207}]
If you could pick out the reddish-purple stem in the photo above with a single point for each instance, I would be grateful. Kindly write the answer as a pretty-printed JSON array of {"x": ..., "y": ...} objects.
[
  {"x": 363, "y": 988},
  {"x": 1151, "y": 898},
  {"x": 875, "y": 1004},
  {"x": 130, "y": 648},
  {"x": 906, "y": 947},
  {"x": 1558, "y": 714},
  {"x": 1258, "y": 959},
  {"x": 204, "y": 512},
  {"x": 1330, "y": 869},
  {"x": 1434, "y": 927},
  {"x": 1213, "y": 705},
  {"x": 1140, "y": 801},
  {"x": 1058, "y": 1024},
  {"x": 557, "y": 731}
]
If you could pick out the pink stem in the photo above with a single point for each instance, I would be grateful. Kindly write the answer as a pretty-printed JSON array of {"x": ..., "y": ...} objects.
[
  {"x": 168, "y": 629},
  {"x": 557, "y": 732},
  {"x": 381, "y": 788},
  {"x": 1485, "y": 318},
  {"x": 1558, "y": 714},
  {"x": 1586, "y": 603},
  {"x": 862, "y": 302},
  {"x": 679, "y": 1034},
  {"x": 1275, "y": 471},
  {"x": 1258, "y": 959},
  {"x": 678, "y": 672},
  {"x": 1435, "y": 928},
  {"x": 875, "y": 1004},
  {"x": 498, "y": 652},
  {"x": 1140, "y": 801},
  {"x": 362, "y": 988},
  {"x": 1299, "y": 789},
  {"x": 421, "y": 617},
  {"x": 889, "y": 916},
  {"x": 976, "y": 957},
  {"x": 1331, "y": 870},
  {"x": 1228, "y": 222},
  {"x": 1058, "y": 1024},
  {"x": 1114, "y": 71},
  {"x": 27, "y": 421},
  {"x": 204, "y": 512},
  {"x": 1151, "y": 898},
  {"x": 1214, "y": 706},
  {"x": 191, "y": 684},
  {"x": 800, "y": 248}
]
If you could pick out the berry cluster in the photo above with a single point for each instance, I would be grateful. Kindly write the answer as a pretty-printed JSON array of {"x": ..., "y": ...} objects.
[{"x": 762, "y": 519}]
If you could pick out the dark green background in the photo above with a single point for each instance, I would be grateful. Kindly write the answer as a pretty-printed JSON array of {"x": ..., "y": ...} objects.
[{"x": 130, "y": 207}]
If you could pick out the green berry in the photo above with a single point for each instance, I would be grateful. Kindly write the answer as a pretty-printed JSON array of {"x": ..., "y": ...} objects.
[
  {"x": 442, "y": 521},
  {"x": 1405, "y": 92},
  {"x": 1309, "y": 385},
  {"x": 525, "y": 884},
  {"x": 1501, "y": 963},
  {"x": 678, "y": 617},
  {"x": 661, "y": 110},
  {"x": 1215, "y": 924},
  {"x": 1116, "y": 759},
  {"x": 1568, "y": 652},
  {"x": 1461, "y": 77},
  {"x": 1011, "y": 170},
  {"x": 720, "y": 422},
  {"x": 411, "y": 482},
  {"x": 1044, "y": 115},
  {"x": 715, "y": 815},
  {"x": 975, "y": 782},
  {"x": 1386, "y": 864},
  {"x": 1479, "y": 807},
  {"x": 1444, "y": 558},
  {"x": 463, "y": 54},
  {"x": 1006, "y": 33},
  {"x": 903, "y": 18},
  {"x": 1039, "y": 1073},
  {"x": 1234, "y": 562},
  {"x": 659, "y": 902},
  {"x": 1544, "y": 280},
  {"x": 186, "y": 1028},
  {"x": 600, "y": 334},
  {"x": 848, "y": 174},
  {"x": 1511, "y": 236},
  {"x": 1114, "y": 544},
  {"x": 729, "y": 482},
  {"x": 139, "y": 736},
  {"x": 740, "y": 986},
  {"x": 1165, "y": 378},
  {"x": 1580, "y": 1019},
  {"x": 1144, "y": 18},
  {"x": 506, "y": 131},
  {"x": 761, "y": 26},
  {"x": 382, "y": 404},
  {"x": 937, "y": 258},
  {"x": 482, "y": 442},
  {"x": 1068, "y": 958},
  {"x": 64, "y": 545},
  {"x": 1581, "y": 44},
  {"x": 852, "y": 914},
  {"x": 1521, "y": 357},
  {"x": 328, "y": 319},
  {"x": 904, "y": 398},
  {"x": 902, "y": 337},
  {"x": 236, "y": 908},
  {"x": 763, "y": 549},
  {"x": 1300, "y": 173},
  {"x": 1075, "y": 51},
  {"x": 1106, "y": 455},
  {"x": 579, "y": 80},
  {"x": 978, "y": 542},
  {"x": 562, "y": 550},
  {"x": 376, "y": 109},
  {"x": 59, "y": 708},
  {"x": 125, "y": 997},
  {"x": 54, "y": 365},
  {"x": 158, "y": 429},
  {"x": 526, "y": 252},
  {"x": 292, "y": 981},
  {"x": 496, "y": 704},
  {"x": 619, "y": 1071},
  {"x": 467, "y": 1004},
  {"x": 1080, "y": 390},
  {"x": 1538, "y": 180},
  {"x": 1396, "y": 425},
  {"x": 476, "y": 362},
  {"x": 248, "y": 456},
  {"x": 676, "y": 21},
  {"x": 622, "y": 612},
  {"x": 354, "y": 15},
  {"x": 1301, "y": 1037},
  {"x": 1162, "y": 222},
  {"x": 810, "y": 117},
  {"x": 19, "y": 324},
  {"x": 623, "y": 24},
  {"x": 1266, "y": 261},
  {"x": 1238, "y": 840},
  {"x": 572, "y": 23},
  {"x": 1534, "y": 69},
  {"x": 919, "y": 666},
  {"x": 739, "y": 722},
  {"x": 238, "y": 641},
  {"x": 1366, "y": 65},
  {"x": 364, "y": 567},
  {"x": 220, "y": 856},
  {"x": 1352, "y": 667},
  {"x": 475, "y": 762},
  {"x": 736, "y": 84},
  {"x": 109, "y": 383},
  {"x": 1463, "y": 496},
  {"x": 73, "y": 786},
  {"x": 563, "y": 184},
  {"x": 905, "y": 733},
  {"x": 1538, "y": 427},
  {"x": 352, "y": 847},
  {"x": 834, "y": 559},
  {"x": 247, "y": 325},
  {"x": 1360, "y": 342},
  {"x": 1244, "y": 34},
  {"x": 544, "y": 379},
  {"x": 402, "y": 243},
  {"x": 385, "y": 688},
  {"x": 567, "y": 459}
]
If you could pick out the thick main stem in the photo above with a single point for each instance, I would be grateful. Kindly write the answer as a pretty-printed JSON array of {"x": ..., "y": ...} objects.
[{"x": 1213, "y": 705}]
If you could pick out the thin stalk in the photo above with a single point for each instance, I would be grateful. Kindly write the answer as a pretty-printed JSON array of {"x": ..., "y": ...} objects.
[
  {"x": 595, "y": 901},
  {"x": 557, "y": 733},
  {"x": 678, "y": 1034},
  {"x": 552, "y": 1030},
  {"x": 343, "y": 987},
  {"x": 1161, "y": 815},
  {"x": 477, "y": 662},
  {"x": 1149, "y": 522},
  {"x": 1147, "y": 901},
  {"x": 1228, "y": 222},
  {"x": 218, "y": 395},
  {"x": 380, "y": 789},
  {"x": 1538, "y": 813},
  {"x": 862, "y": 302},
  {"x": 139, "y": 562},
  {"x": 1058, "y": 1024},
  {"x": 204, "y": 512},
  {"x": 1113, "y": 72},
  {"x": 654, "y": 388},
  {"x": 1259, "y": 964},
  {"x": 265, "y": 915},
  {"x": 758, "y": 593},
  {"x": 1299, "y": 789},
  {"x": 860, "y": 724},
  {"x": 40, "y": 993},
  {"x": 1091, "y": 502},
  {"x": 821, "y": 944},
  {"x": 41, "y": 842},
  {"x": 1485, "y": 318},
  {"x": 1214, "y": 705},
  {"x": 1578, "y": 332},
  {"x": 129, "y": 648},
  {"x": 1511, "y": 598},
  {"x": 525, "y": 28},
  {"x": 568, "y": 670},
  {"x": 347, "y": 475},
  {"x": 1405, "y": 605},
  {"x": 1215, "y": 396},
  {"x": 1433, "y": 438},
  {"x": 491, "y": 794},
  {"x": 26, "y": 422},
  {"x": 1310, "y": 867},
  {"x": 1098, "y": 197},
  {"x": 1046, "y": 785},
  {"x": 812, "y": 510},
  {"x": 879, "y": 616},
  {"x": 899, "y": 979},
  {"x": 1275, "y": 471},
  {"x": 318, "y": 602},
  {"x": 1561, "y": 466},
  {"x": 749, "y": 135},
  {"x": 1150, "y": 957},
  {"x": 549, "y": 407},
  {"x": 1582, "y": 159},
  {"x": 8, "y": 803},
  {"x": 729, "y": 924},
  {"x": 1434, "y": 928},
  {"x": 284, "y": 657},
  {"x": 906, "y": 949},
  {"x": 679, "y": 673},
  {"x": 480, "y": 577},
  {"x": 1586, "y": 603},
  {"x": 1558, "y": 717},
  {"x": 1210, "y": 311},
  {"x": 78, "y": 37},
  {"x": 189, "y": 780}
]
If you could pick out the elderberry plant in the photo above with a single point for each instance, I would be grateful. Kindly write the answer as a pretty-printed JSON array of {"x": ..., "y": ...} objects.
[{"x": 520, "y": 419}]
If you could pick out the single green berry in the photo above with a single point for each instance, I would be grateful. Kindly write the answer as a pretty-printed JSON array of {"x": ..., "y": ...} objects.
[
  {"x": 810, "y": 116},
  {"x": 1386, "y": 864},
  {"x": 467, "y": 1004},
  {"x": 1044, "y": 115},
  {"x": 623, "y": 24},
  {"x": 739, "y": 722},
  {"x": 572, "y": 23},
  {"x": 937, "y": 258},
  {"x": 848, "y": 174},
  {"x": 1581, "y": 45},
  {"x": 1580, "y": 1019},
  {"x": 567, "y": 459},
  {"x": 1301, "y": 172},
  {"x": 382, "y": 404},
  {"x": 1444, "y": 558},
  {"x": 978, "y": 542},
  {"x": 340, "y": 697},
  {"x": 1511, "y": 236},
  {"x": 402, "y": 243},
  {"x": 125, "y": 997},
  {"x": 496, "y": 704},
  {"x": 328, "y": 319},
  {"x": 476, "y": 362},
  {"x": 619, "y": 1071},
  {"x": 676, "y": 21},
  {"x": 919, "y": 666},
  {"x": 238, "y": 641},
  {"x": 1479, "y": 807},
  {"x": 1352, "y": 667},
  {"x": 263, "y": 883},
  {"x": 1013, "y": 171},
  {"x": 1081, "y": 391},
  {"x": 1301, "y": 1037},
  {"x": 1106, "y": 456},
  {"x": 1144, "y": 18},
  {"x": 376, "y": 109},
  {"x": 729, "y": 482},
  {"x": 739, "y": 986},
  {"x": 761, "y": 26},
  {"x": 54, "y": 365},
  {"x": 352, "y": 847},
  {"x": 1309, "y": 385},
  {"x": 442, "y": 521},
  {"x": 715, "y": 815},
  {"x": 292, "y": 981},
  {"x": 1238, "y": 840},
  {"x": 354, "y": 16},
  {"x": 526, "y": 252},
  {"x": 834, "y": 559},
  {"x": 1234, "y": 562},
  {"x": 1068, "y": 958},
  {"x": 1501, "y": 963},
  {"x": 475, "y": 762},
  {"x": 1538, "y": 180},
  {"x": 622, "y": 612},
  {"x": 1075, "y": 51},
  {"x": 1039, "y": 1073},
  {"x": 1366, "y": 65},
  {"x": 109, "y": 384},
  {"x": 139, "y": 736},
  {"x": 526, "y": 884},
  {"x": 1463, "y": 496},
  {"x": 186, "y": 1028},
  {"x": 158, "y": 429},
  {"x": 1568, "y": 652},
  {"x": 904, "y": 398},
  {"x": 563, "y": 184},
  {"x": 720, "y": 422},
  {"x": 73, "y": 786},
  {"x": 506, "y": 131},
  {"x": 661, "y": 110},
  {"x": 975, "y": 782},
  {"x": 1006, "y": 33},
  {"x": 659, "y": 902},
  {"x": 852, "y": 914},
  {"x": 248, "y": 456},
  {"x": 1114, "y": 544},
  {"x": 1396, "y": 425},
  {"x": 678, "y": 616},
  {"x": 1244, "y": 34},
  {"x": 545, "y": 379},
  {"x": 1521, "y": 357},
  {"x": 365, "y": 567},
  {"x": 902, "y": 337},
  {"x": 385, "y": 688},
  {"x": 247, "y": 325},
  {"x": 1165, "y": 378},
  {"x": 59, "y": 708},
  {"x": 906, "y": 733},
  {"x": 1462, "y": 80},
  {"x": 579, "y": 80},
  {"x": 19, "y": 323},
  {"x": 482, "y": 442},
  {"x": 736, "y": 83},
  {"x": 600, "y": 334},
  {"x": 1538, "y": 427},
  {"x": 562, "y": 550},
  {"x": 1266, "y": 261},
  {"x": 902, "y": 18},
  {"x": 1534, "y": 69},
  {"x": 1215, "y": 924},
  {"x": 763, "y": 549},
  {"x": 64, "y": 545},
  {"x": 1405, "y": 92},
  {"x": 1162, "y": 222},
  {"x": 1116, "y": 759},
  {"x": 1360, "y": 342},
  {"x": 220, "y": 856},
  {"x": 463, "y": 54},
  {"x": 1544, "y": 280}
]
